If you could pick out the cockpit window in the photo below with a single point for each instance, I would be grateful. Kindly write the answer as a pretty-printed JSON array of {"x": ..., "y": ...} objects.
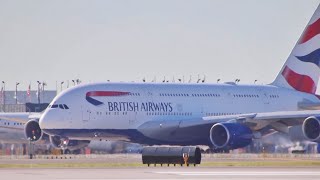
[
  {"x": 60, "y": 106},
  {"x": 65, "y": 106},
  {"x": 54, "y": 106}
]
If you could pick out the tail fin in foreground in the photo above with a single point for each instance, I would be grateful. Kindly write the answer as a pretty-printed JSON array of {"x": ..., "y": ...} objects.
[{"x": 301, "y": 71}]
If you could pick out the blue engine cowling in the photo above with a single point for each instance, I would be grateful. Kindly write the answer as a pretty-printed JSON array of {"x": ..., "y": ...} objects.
[
  {"x": 230, "y": 135},
  {"x": 32, "y": 130},
  {"x": 311, "y": 128}
]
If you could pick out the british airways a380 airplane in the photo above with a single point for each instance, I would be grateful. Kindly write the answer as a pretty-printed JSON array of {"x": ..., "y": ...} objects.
[{"x": 222, "y": 116}]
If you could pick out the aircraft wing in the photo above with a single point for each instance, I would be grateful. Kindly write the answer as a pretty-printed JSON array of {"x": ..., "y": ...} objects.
[
  {"x": 279, "y": 121},
  {"x": 199, "y": 128}
]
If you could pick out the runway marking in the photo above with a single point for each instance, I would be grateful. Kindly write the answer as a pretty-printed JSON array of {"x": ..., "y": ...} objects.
[{"x": 248, "y": 173}]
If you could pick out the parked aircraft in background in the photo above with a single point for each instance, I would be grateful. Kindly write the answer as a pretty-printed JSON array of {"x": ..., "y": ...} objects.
[
  {"x": 12, "y": 134},
  {"x": 12, "y": 126},
  {"x": 12, "y": 131},
  {"x": 222, "y": 116}
]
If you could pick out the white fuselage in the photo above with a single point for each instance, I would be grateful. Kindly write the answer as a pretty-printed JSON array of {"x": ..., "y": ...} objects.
[{"x": 126, "y": 106}]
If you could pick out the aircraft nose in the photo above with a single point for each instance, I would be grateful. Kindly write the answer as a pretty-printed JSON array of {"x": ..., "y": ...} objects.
[{"x": 46, "y": 121}]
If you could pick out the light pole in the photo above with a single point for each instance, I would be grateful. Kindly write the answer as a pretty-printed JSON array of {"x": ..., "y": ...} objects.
[
  {"x": 39, "y": 83},
  {"x": 61, "y": 85},
  {"x": 43, "y": 84},
  {"x": 4, "y": 96},
  {"x": 17, "y": 92}
]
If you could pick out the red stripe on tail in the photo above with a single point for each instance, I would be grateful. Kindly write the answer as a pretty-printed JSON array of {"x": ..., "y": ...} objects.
[
  {"x": 311, "y": 31},
  {"x": 299, "y": 82}
]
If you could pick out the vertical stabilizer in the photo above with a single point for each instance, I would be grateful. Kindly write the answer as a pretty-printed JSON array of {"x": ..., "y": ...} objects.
[{"x": 301, "y": 71}]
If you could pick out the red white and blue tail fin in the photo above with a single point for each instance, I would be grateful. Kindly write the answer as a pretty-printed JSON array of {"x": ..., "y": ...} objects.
[{"x": 301, "y": 71}]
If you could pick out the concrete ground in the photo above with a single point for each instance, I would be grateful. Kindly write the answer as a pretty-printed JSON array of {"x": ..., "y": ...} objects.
[
  {"x": 128, "y": 166},
  {"x": 238, "y": 173}
]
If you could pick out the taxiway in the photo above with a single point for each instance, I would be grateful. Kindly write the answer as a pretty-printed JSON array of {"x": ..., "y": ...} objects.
[{"x": 238, "y": 173}]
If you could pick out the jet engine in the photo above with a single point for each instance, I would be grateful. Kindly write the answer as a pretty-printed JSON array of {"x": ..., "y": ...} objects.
[
  {"x": 65, "y": 143},
  {"x": 311, "y": 128},
  {"x": 32, "y": 130},
  {"x": 230, "y": 136}
]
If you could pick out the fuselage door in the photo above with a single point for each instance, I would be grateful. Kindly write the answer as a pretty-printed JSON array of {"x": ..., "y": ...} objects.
[
  {"x": 265, "y": 97},
  {"x": 68, "y": 114},
  {"x": 86, "y": 114}
]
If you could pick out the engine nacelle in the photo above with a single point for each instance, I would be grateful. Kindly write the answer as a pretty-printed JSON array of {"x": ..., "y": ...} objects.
[
  {"x": 65, "y": 143},
  {"x": 311, "y": 128},
  {"x": 230, "y": 135},
  {"x": 57, "y": 141},
  {"x": 32, "y": 130}
]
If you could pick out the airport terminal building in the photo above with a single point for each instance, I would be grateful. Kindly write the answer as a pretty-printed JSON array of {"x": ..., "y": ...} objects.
[{"x": 25, "y": 101}]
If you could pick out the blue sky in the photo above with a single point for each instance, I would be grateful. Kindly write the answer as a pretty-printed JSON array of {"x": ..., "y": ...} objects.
[{"x": 123, "y": 40}]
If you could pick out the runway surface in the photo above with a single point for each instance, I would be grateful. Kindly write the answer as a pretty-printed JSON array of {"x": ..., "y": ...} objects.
[
  {"x": 127, "y": 166},
  {"x": 238, "y": 173}
]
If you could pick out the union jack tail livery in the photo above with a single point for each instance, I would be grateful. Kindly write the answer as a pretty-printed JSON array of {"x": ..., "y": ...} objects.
[{"x": 301, "y": 71}]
